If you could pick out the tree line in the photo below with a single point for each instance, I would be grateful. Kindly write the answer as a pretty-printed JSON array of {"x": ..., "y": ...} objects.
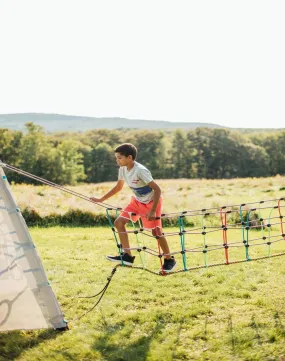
[{"x": 68, "y": 158}]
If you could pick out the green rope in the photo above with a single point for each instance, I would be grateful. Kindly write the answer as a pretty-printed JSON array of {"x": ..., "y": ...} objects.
[
  {"x": 262, "y": 230},
  {"x": 269, "y": 233},
  {"x": 138, "y": 242},
  {"x": 114, "y": 233},
  {"x": 247, "y": 235},
  {"x": 182, "y": 241},
  {"x": 261, "y": 220},
  {"x": 204, "y": 238},
  {"x": 142, "y": 238},
  {"x": 243, "y": 228}
]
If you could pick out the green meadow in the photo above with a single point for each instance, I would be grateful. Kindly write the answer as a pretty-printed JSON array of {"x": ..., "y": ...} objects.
[
  {"x": 178, "y": 194},
  {"x": 229, "y": 312}
]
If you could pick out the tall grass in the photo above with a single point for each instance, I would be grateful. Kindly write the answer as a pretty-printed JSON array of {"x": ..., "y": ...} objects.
[{"x": 43, "y": 205}]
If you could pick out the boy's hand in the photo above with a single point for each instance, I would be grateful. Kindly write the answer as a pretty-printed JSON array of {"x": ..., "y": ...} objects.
[
  {"x": 150, "y": 216},
  {"x": 96, "y": 200}
]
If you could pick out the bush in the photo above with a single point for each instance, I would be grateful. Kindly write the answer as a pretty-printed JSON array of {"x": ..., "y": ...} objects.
[
  {"x": 79, "y": 218},
  {"x": 74, "y": 217},
  {"x": 253, "y": 221}
]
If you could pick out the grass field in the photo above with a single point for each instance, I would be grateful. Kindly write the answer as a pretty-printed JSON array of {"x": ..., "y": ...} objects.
[
  {"x": 233, "y": 312},
  {"x": 178, "y": 194}
]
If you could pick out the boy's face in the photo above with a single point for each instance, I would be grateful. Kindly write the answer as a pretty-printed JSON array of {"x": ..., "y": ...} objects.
[{"x": 122, "y": 160}]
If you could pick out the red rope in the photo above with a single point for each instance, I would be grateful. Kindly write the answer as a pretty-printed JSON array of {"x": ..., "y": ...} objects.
[
  {"x": 224, "y": 231},
  {"x": 281, "y": 218}
]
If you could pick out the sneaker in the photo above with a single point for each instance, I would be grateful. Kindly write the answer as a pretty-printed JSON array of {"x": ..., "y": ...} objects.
[
  {"x": 168, "y": 265},
  {"x": 127, "y": 259}
]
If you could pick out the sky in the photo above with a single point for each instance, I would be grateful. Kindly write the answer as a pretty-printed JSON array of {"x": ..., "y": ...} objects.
[{"x": 196, "y": 60}]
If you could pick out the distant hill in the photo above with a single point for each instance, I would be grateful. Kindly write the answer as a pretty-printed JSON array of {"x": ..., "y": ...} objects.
[
  {"x": 73, "y": 123},
  {"x": 59, "y": 122}
]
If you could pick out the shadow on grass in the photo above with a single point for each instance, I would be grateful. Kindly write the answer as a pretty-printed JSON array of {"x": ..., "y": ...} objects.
[
  {"x": 13, "y": 343},
  {"x": 112, "y": 349}
]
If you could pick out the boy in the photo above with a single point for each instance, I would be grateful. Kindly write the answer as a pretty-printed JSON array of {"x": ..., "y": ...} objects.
[{"x": 146, "y": 201}]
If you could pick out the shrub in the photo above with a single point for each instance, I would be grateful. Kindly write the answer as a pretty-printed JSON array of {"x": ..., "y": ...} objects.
[{"x": 79, "y": 218}]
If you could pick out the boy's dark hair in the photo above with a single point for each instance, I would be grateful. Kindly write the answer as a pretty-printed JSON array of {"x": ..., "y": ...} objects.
[{"x": 127, "y": 149}]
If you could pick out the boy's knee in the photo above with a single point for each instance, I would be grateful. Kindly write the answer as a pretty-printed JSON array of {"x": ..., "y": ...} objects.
[
  {"x": 119, "y": 223},
  {"x": 156, "y": 232}
]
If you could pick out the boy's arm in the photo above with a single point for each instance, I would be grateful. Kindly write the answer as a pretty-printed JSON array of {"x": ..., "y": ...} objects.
[
  {"x": 118, "y": 187},
  {"x": 157, "y": 193}
]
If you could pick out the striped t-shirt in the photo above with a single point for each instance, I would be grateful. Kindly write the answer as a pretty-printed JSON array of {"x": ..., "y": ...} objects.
[{"x": 137, "y": 179}]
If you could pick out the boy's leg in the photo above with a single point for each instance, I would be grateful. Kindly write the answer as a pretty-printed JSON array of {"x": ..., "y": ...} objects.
[
  {"x": 169, "y": 261},
  {"x": 120, "y": 224},
  {"x": 126, "y": 257},
  {"x": 162, "y": 242},
  {"x": 156, "y": 226}
]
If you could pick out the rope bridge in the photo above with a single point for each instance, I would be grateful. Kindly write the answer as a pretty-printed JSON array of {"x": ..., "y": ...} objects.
[
  {"x": 254, "y": 228},
  {"x": 255, "y": 232}
]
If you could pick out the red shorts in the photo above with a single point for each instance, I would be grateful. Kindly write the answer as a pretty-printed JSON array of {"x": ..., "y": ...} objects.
[{"x": 141, "y": 209}]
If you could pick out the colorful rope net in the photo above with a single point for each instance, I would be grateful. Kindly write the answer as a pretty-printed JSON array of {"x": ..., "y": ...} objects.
[{"x": 210, "y": 237}]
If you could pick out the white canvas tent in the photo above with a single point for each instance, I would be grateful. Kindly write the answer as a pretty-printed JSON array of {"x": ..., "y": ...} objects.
[{"x": 27, "y": 300}]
